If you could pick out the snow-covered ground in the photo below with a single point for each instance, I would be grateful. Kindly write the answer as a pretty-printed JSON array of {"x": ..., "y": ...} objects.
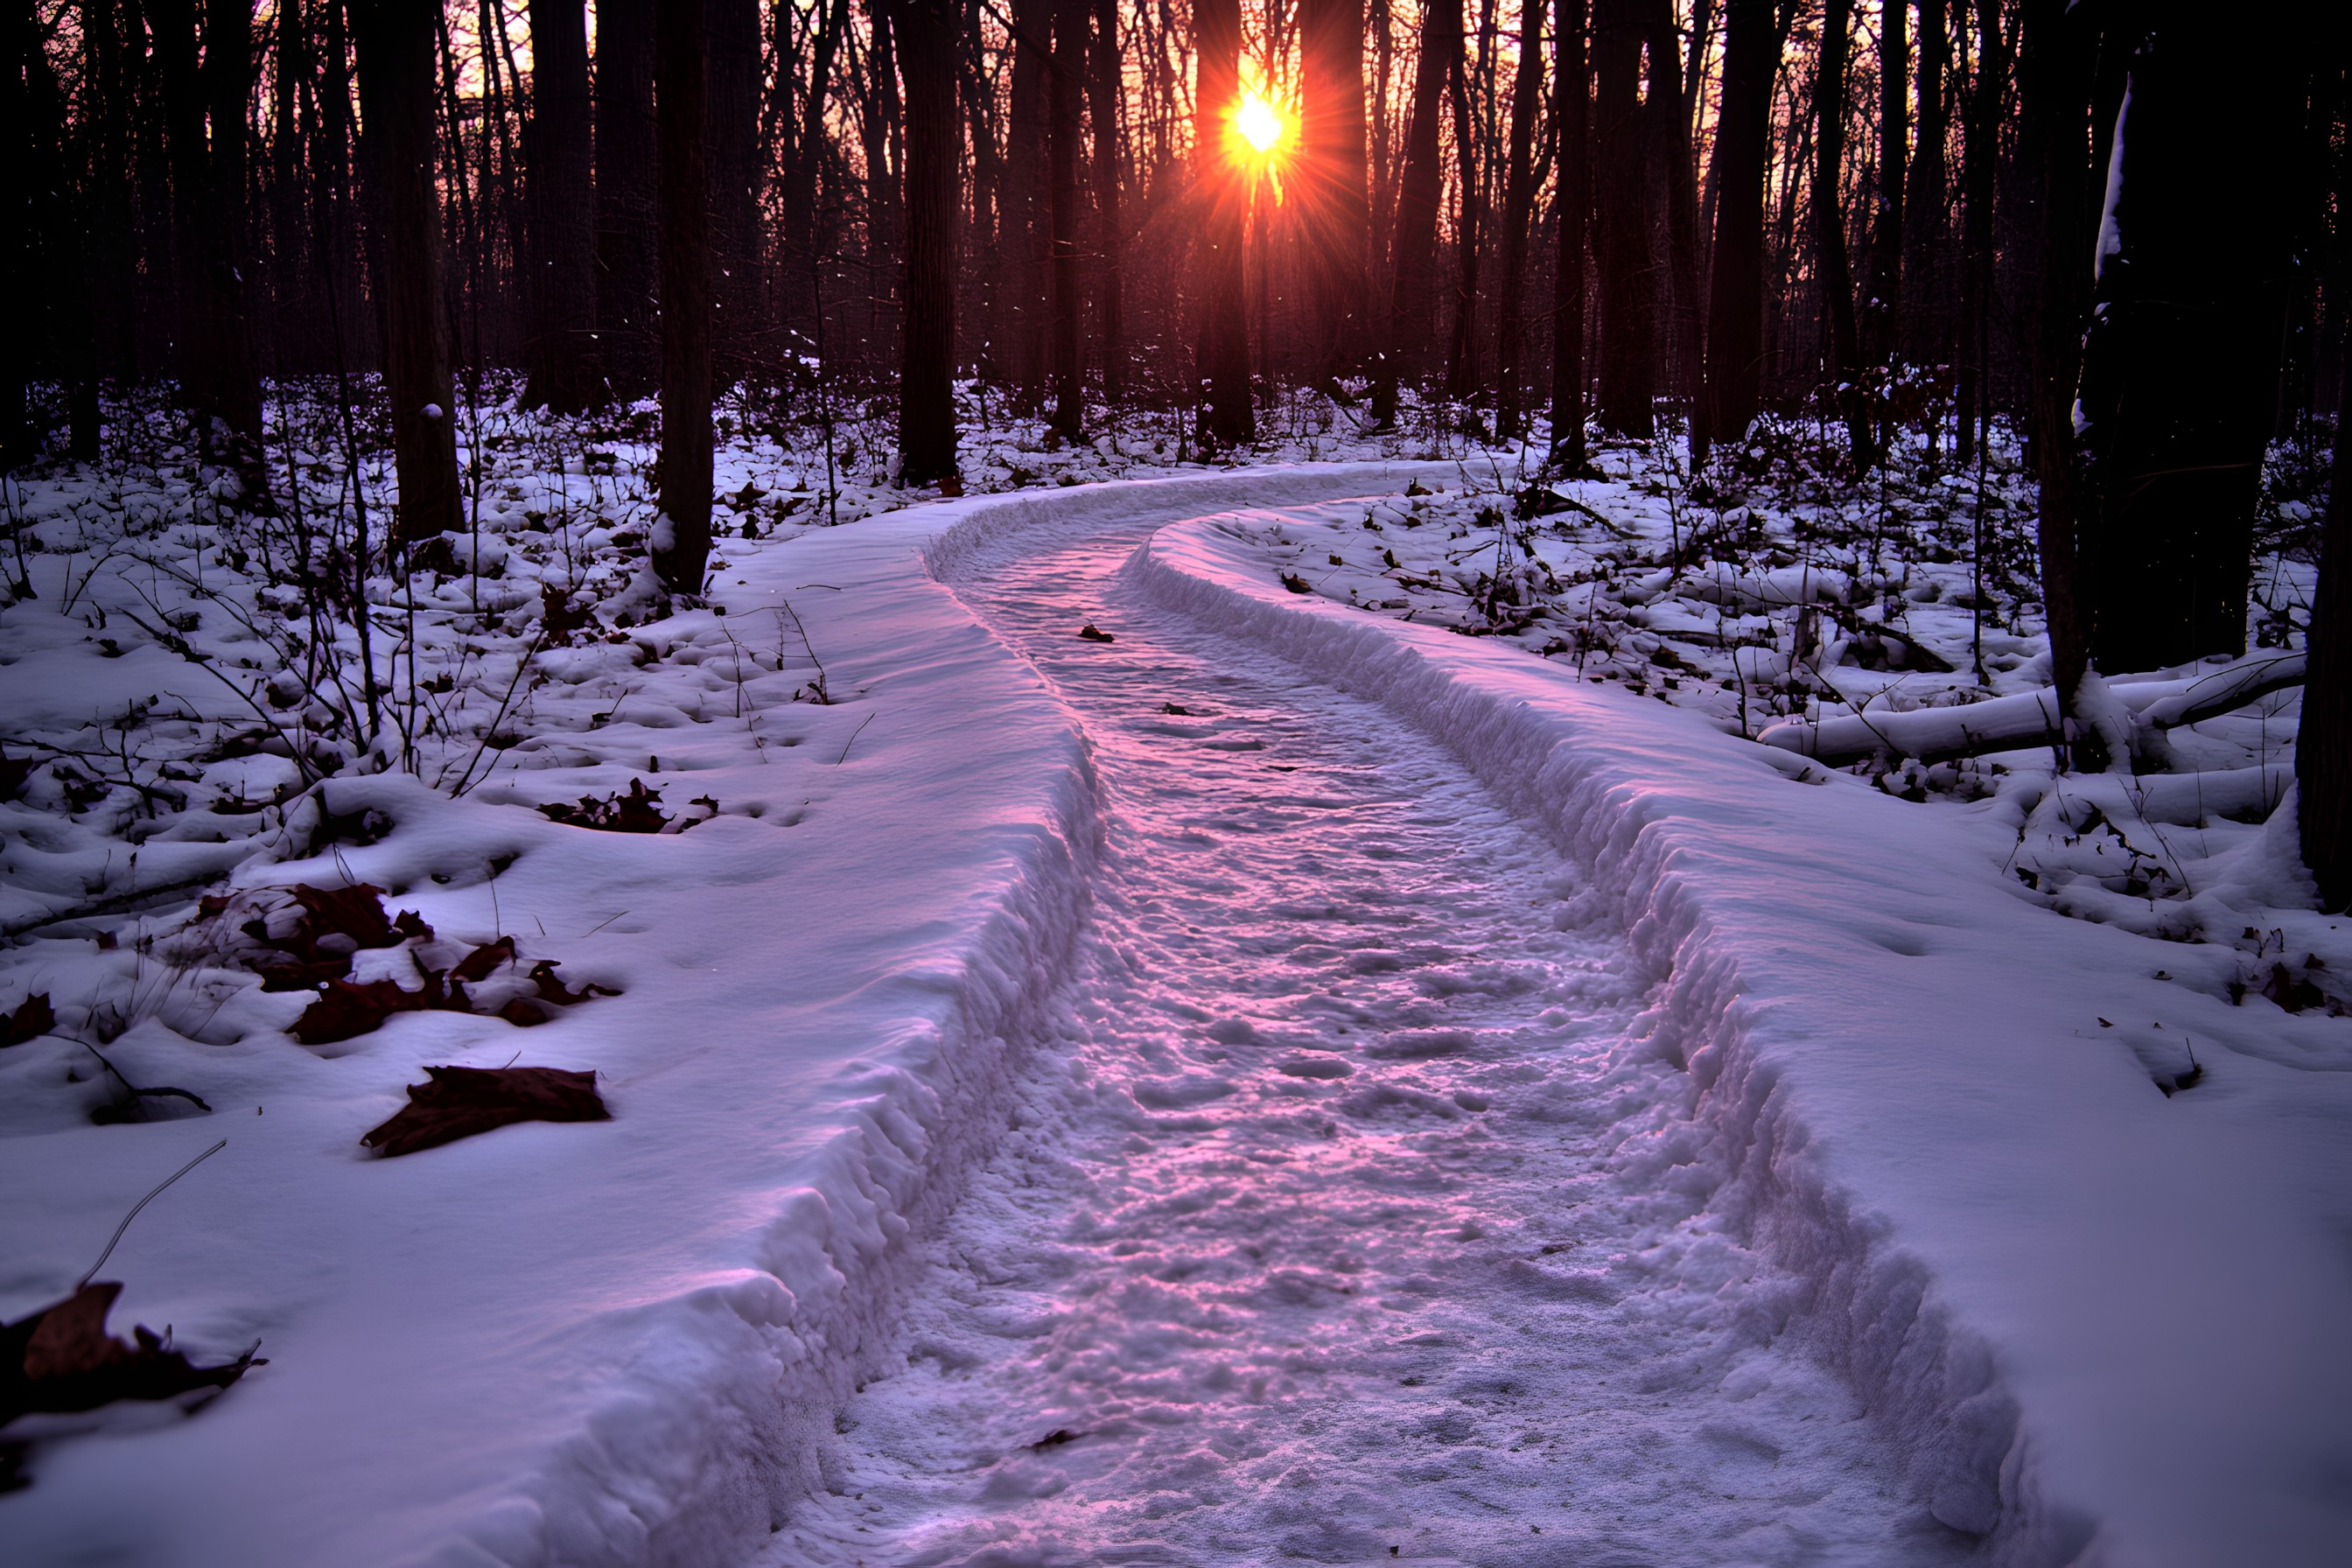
[{"x": 1897, "y": 1209}]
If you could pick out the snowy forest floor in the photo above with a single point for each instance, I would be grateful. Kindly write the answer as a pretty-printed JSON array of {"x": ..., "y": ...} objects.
[{"x": 185, "y": 672}]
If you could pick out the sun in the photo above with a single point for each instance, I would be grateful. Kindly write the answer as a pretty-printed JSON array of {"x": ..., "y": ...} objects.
[{"x": 1260, "y": 123}]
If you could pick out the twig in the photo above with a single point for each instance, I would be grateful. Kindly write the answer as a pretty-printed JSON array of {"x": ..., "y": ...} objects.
[
  {"x": 141, "y": 1203},
  {"x": 852, "y": 741}
]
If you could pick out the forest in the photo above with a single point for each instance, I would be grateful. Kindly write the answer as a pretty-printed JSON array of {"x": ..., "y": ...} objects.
[{"x": 1465, "y": 772}]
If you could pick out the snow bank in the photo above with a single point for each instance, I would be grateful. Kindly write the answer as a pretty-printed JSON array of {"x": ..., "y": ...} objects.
[
  {"x": 613, "y": 1344},
  {"x": 2104, "y": 1322}
]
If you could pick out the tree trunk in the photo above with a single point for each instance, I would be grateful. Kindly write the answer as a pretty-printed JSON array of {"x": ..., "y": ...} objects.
[
  {"x": 55, "y": 224},
  {"x": 1471, "y": 184},
  {"x": 2323, "y": 743},
  {"x": 234, "y": 378},
  {"x": 563, "y": 377},
  {"x": 1836, "y": 280},
  {"x": 1519, "y": 211},
  {"x": 626, "y": 314},
  {"x": 1026, "y": 296},
  {"x": 1063, "y": 151},
  {"x": 1734, "y": 323},
  {"x": 1926, "y": 340},
  {"x": 2180, "y": 365},
  {"x": 681, "y": 545},
  {"x": 2054, "y": 86},
  {"x": 1882, "y": 333},
  {"x": 926, "y": 31},
  {"x": 1622, "y": 223},
  {"x": 1669, "y": 123},
  {"x": 1103, "y": 95},
  {"x": 1572, "y": 105},
  {"x": 1222, "y": 363},
  {"x": 732, "y": 151},
  {"x": 397, "y": 80},
  {"x": 18, "y": 440},
  {"x": 1328, "y": 172},
  {"x": 1413, "y": 270},
  {"x": 800, "y": 179},
  {"x": 1981, "y": 157}
]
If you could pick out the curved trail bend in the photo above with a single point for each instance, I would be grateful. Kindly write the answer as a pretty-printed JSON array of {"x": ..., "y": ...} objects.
[{"x": 1344, "y": 1217}]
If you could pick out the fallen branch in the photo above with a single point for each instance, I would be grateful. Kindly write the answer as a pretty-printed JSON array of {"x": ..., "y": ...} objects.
[{"x": 2032, "y": 718}]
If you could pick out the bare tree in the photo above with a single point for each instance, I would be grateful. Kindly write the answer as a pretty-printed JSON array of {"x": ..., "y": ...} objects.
[
  {"x": 627, "y": 260},
  {"x": 1518, "y": 210},
  {"x": 563, "y": 358},
  {"x": 1622, "y": 223},
  {"x": 926, "y": 58},
  {"x": 1844, "y": 344},
  {"x": 1413, "y": 253},
  {"x": 1571, "y": 105},
  {"x": 396, "y": 46},
  {"x": 1734, "y": 389},
  {"x": 1222, "y": 361},
  {"x": 1067, "y": 97},
  {"x": 1330, "y": 176},
  {"x": 681, "y": 546}
]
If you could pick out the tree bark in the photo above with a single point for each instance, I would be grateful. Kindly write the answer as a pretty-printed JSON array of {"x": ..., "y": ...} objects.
[
  {"x": 731, "y": 104},
  {"x": 1668, "y": 118},
  {"x": 396, "y": 45},
  {"x": 1881, "y": 324},
  {"x": 1571, "y": 104},
  {"x": 1413, "y": 255},
  {"x": 1064, "y": 153},
  {"x": 18, "y": 438},
  {"x": 1328, "y": 174},
  {"x": 2180, "y": 364},
  {"x": 2322, "y": 744},
  {"x": 235, "y": 377},
  {"x": 1025, "y": 294},
  {"x": 1980, "y": 155},
  {"x": 1222, "y": 361},
  {"x": 1926, "y": 195},
  {"x": 1621, "y": 224},
  {"x": 1733, "y": 390},
  {"x": 681, "y": 546},
  {"x": 1836, "y": 279},
  {"x": 627, "y": 267},
  {"x": 1519, "y": 211},
  {"x": 926, "y": 31},
  {"x": 1104, "y": 92},
  {"x": 2054, "y": 86},
  {"x": 563, "y": 373}
]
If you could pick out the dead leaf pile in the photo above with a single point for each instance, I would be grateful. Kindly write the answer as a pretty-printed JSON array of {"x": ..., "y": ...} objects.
[
  {"x": 458, "y": 1102},
  {"x": 635, "y": 810},
  {"x": 61, "y": 1359},
  {"x": 305, "y": 937},
  {"x": 33, "y": 1017}
]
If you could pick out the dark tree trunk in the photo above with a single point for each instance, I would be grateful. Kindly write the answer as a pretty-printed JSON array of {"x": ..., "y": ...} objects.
[
  {"x": 1571, "y": 105},
  {"x": 733, "y": 154},
  {"x": 1881, "y": 327},
  {"x": 115, "y": 259},
  {"x": 1668, "y": 117},
  {"x": 1622, "y": 223},
  {"x": 2323, "y": 743},
  {"x": 681, "y": 546},
  {"x": 626, "y": 249},
  {"x": 564, "y": 360},
  {"x": 1024, "y": 296},
  {"x": 1981, "y": 158},
  {"x": 801, "y": 162},
  {"x": 927, "y": 422},
  {"x": 1412, "y": 319},
  {"x": 1836, "y": 280},
  {"x": 1519, "y": 211},
  {"x": 1925, "y": 339},
  {"x": 2180, "y": 365},
  {"x": 1734, "y": 323},
  {"x": 397, "y": 80},
  {"x": 1328, "y": 172},
  {"x": 1222, "y": 363},
  {"x": 1064, "y": 153},
  {"x": 1471, "y": 184},
  {"x": 235, "y": 380},
  {"x": 54, "y": 222},
  {"x": 2054, "y": 88},
  {"x": 18, "y": 438},
  {"x": 1104, "y": 91}
]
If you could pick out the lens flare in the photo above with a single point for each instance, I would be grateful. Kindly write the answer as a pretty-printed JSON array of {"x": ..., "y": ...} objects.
[{"x": 1260, "y": 123}]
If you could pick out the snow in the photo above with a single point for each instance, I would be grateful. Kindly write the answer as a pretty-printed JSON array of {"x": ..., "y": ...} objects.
[{"x": 1857, "y": 1098}]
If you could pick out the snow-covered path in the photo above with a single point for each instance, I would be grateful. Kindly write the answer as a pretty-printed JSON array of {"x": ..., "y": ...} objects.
[{"x": 1341, "y": 1218}]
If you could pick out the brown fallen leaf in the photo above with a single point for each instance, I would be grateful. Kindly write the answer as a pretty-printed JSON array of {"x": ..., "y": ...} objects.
[
  {"x": 479, "y": 964},
  {"x": 347, "y": 1009},
  {"x": 458, "y": 1102},
  {"x": 61, "y": 1359},
  {"x": 33, "y": 1017}
]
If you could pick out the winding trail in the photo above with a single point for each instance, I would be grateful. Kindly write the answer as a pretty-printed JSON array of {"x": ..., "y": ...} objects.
[{"x": 1344, "y": 1219}]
